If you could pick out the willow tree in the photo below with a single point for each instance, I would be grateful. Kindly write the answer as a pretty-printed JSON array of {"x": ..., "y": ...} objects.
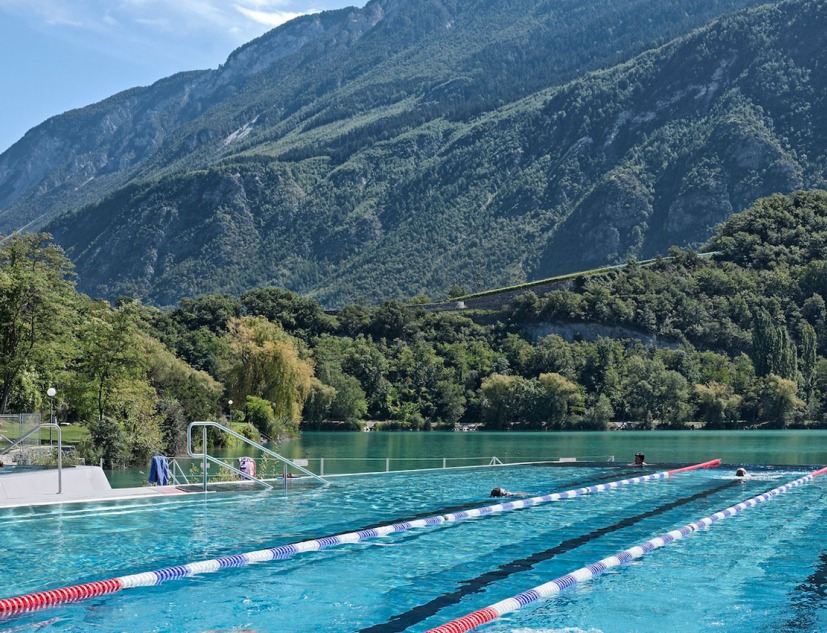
[{"x": 265, "y": 363}]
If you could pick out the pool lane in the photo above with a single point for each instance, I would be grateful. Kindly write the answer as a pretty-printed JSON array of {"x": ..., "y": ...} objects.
[
  {"x": 807, "y": 598},
  {"x": 555, "y": 587},
  {"x": 404, "y": 621},
  {"x": 75, "y": 593},
  {"x": 461, "y": 507}
]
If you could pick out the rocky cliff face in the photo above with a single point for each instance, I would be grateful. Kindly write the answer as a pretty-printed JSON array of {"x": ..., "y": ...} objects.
[
  {"x": 410, "y": 146},
  {"x": 73, "y": 159}
]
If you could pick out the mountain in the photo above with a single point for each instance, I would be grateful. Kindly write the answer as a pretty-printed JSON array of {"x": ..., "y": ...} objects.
[{"x": 416, "y": 144}]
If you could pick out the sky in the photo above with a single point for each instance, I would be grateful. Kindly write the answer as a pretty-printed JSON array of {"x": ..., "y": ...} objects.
[{"x": 64, "y": 54}]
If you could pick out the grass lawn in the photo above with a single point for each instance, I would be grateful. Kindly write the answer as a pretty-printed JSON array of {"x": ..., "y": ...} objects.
[{"x": 72, "y": 434}]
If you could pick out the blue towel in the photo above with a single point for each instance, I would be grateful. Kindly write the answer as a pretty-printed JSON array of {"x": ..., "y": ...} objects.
[{"x": 159, "y": 471}]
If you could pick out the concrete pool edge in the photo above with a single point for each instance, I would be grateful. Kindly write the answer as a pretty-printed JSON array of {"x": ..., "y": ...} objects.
[{"x": 81, "y": 484}]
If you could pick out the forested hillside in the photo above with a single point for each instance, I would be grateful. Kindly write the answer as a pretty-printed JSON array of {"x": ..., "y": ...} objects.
[
  {"x": 751, "y": 321},
  {"x": 333, "y": 143},
  {"x": 620, "y": 163},
  {"x": 404, "y": 61}
]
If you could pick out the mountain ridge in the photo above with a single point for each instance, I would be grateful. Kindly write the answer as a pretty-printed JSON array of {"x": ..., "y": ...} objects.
[
  {"x": 316, "y": 43},
  {"x": 390, "y": 184}
]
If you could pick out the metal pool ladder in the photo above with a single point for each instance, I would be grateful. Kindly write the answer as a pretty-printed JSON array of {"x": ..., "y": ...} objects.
[{"x": 222, "y": 464}]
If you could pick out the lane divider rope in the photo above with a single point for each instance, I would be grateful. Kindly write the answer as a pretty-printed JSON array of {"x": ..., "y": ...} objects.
[
  {"x": 556, "y": 586},
  {"x": 45, "y": 599}
]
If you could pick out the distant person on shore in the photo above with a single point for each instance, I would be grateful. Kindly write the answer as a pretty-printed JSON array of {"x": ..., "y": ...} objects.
[
  {"x": 640, "y": 460},
  {"x": 741, "y": 472},
  {"x": 502, "y": 492}
]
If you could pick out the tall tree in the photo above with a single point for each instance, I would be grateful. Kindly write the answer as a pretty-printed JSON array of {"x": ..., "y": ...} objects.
[
  {"x": 35, "y": 297},
  {"x": 772, "y": 350},
  {"x": 265, "y": 363},
  {"x": 111, "y": 354},
  {"x": 809, "y": 345}
]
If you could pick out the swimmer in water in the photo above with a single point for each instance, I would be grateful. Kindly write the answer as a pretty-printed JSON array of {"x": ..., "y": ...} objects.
[{"x": 502, "y": 492}]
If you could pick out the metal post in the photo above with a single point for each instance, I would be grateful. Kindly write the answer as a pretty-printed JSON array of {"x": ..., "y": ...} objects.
[
  {"x": 445, "y": 462},
  {"x": 51, "y": 392},
  {"x": 387, "y": 464},
  {"x": 204, "y": 448},
  {"x": 59, "y": 460},
  {"x": 321, "y": 467}
]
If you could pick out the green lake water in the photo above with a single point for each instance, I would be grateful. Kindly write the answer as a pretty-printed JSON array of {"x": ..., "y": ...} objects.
[{"x": 363, "y": 452}]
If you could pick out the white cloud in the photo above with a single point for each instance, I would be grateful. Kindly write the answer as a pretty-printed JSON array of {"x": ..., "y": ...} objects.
[
  {"x": 51, "y": 12},
  {"x": 269, "y": 18},
  {"x": 247, "y": 17},
  {"x": 205, "y": 31}
]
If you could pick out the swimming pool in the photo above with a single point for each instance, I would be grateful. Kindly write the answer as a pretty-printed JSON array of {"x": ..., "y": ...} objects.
[{"x": 763, "y": 570}]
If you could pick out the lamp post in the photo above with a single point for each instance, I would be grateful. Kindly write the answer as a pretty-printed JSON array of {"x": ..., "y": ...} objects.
[
  {"x": 230, "y": 407},
  {"x": 51, "y": 392}
]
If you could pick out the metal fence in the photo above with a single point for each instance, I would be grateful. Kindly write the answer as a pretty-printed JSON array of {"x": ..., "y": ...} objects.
[
  {"x": 188, "y": 470},
  {"x": 13, "y": 426}
]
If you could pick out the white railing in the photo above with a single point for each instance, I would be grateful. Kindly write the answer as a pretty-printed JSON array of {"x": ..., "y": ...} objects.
[{"x": 336, "y": 466}]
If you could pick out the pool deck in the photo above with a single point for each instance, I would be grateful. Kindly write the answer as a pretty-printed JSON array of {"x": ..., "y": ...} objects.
[{"x": 80, "y": 484}]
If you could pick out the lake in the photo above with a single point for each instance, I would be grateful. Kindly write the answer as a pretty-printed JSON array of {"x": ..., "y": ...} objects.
[{"x": 361, "y": 452}]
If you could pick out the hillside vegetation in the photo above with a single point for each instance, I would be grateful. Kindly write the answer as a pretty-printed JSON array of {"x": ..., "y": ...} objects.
[
  {"x": 412, "y": 145},
  {"x": 621, "y": 163},
  {"x": 752, "y": 322}
]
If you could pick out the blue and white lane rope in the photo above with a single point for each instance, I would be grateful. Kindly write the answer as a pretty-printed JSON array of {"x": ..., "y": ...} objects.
[
  {"x": 10, "y": 606},
  {"x": 554, "y": 587}
]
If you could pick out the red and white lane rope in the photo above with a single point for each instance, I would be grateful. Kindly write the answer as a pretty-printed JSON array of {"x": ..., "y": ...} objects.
[{"x": 43, "y": 599}]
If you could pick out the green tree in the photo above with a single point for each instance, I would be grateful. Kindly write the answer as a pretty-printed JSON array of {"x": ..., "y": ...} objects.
[
  {"x": 36, "y": 296},
  {"x": 265, "y": 363},
  {"x": 499, "y": 399},
  {"x": 349, "y": 402},
  {"x": 559, "y": 399},
  {"x": 809, "y": 345},
  {"x": 779, "y": 400},
  {"x": 260, "y": 414},
  {"x": 208, "y": 311},
  {"x": 717, "y": 404},
  {"x": 298, "y": 315},
  {"x": 654, "y": 393},
  {"x": 318, "y": 403},
  {"x": 772, "y": 350},
  {"x": 111, "y": 355},
  {"x": 599, "y": 414}
]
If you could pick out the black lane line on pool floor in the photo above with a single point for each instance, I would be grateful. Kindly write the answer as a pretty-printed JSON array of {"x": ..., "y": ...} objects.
[
  {"x": 807, "y": 598},
  {"x": 403, "y": 621},
  {"x": 267, "y": 542}
]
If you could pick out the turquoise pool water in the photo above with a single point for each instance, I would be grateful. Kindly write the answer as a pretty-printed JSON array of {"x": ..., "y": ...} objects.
[{"x": 763, "y": 570}]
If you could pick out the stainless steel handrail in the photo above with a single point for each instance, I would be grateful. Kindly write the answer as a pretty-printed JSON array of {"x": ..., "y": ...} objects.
[
  {"x": 44, "y": 425},
  {"x": 204, "y": 456}
]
